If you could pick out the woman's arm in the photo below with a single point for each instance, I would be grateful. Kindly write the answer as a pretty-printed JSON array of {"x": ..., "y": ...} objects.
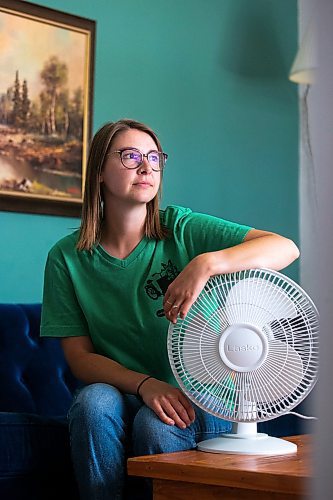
[
  {"x": 260, "y": 249},
  {"x": 169, "y": 403}
]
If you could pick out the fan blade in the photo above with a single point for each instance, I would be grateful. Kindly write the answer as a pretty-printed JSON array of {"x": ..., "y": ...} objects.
[
  {"x": 259, "y": 302},
  {"x": 279, "y": 378},
  {"x": 191, "y": 339}
]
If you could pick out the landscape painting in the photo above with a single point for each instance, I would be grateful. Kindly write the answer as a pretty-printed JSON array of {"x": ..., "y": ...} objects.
[{"x": 46, "y": 75}]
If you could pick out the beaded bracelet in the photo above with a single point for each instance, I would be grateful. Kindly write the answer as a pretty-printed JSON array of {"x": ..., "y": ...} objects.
[{"x": 141, "y": 383}]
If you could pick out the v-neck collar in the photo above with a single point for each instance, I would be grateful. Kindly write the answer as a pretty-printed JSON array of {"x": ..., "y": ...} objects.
[{"x": 129, "y": 259}]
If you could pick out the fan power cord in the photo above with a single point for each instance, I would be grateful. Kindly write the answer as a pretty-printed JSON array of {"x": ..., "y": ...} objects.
[
  {"x": 305, "y": 417},
  {"x": 300, "y": 415}
]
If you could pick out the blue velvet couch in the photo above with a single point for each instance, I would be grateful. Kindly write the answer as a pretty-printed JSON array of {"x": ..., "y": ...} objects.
[{"x": 36, "y": 388}]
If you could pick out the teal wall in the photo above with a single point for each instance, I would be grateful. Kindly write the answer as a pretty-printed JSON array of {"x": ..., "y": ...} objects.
[{"x": 210, "y": 77}]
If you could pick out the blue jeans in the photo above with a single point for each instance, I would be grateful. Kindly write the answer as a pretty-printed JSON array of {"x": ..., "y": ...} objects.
[{"x": 107, "y": 426}]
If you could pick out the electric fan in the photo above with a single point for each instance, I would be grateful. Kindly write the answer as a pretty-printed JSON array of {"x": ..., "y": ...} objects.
[{"x": 247, "y": 352}]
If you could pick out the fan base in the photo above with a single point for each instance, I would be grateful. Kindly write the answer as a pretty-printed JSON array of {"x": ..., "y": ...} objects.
[{"x": 257, "y": 444}]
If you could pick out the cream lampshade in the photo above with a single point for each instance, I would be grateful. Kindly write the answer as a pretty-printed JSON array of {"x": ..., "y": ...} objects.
[{"x": 305, "y": 64}]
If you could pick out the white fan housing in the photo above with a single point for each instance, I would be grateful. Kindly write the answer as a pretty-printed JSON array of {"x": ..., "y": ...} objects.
[{"x": 247, "y": 352}]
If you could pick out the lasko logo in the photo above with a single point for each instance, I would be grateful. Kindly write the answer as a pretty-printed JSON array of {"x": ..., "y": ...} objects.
[{"x": 245, "y": 347}]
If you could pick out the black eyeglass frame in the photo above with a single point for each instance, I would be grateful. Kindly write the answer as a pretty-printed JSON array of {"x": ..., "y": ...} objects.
[{"x": 163, "y": 157}]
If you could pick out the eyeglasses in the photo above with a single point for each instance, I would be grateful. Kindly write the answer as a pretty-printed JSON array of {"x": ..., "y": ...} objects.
[{"x": 132, "y": 158}]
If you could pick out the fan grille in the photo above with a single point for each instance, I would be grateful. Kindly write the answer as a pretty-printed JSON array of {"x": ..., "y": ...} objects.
[{"x": 258, "y": 378}]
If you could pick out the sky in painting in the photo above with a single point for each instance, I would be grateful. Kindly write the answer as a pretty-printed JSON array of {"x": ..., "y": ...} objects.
[{"x": 26, "y": 44}]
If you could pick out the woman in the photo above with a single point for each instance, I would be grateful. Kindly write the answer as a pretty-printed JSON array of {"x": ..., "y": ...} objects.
[{"x": 110, "y": 290}]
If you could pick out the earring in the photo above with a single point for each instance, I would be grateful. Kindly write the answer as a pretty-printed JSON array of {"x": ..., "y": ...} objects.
[{"x": 101, "y": 205}]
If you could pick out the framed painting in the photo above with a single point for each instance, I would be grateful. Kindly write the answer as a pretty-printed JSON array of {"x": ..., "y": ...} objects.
[{"x": 46, "y": 92}]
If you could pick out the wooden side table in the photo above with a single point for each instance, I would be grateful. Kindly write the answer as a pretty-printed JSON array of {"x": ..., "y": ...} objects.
[{"x": 196, "y": 475}]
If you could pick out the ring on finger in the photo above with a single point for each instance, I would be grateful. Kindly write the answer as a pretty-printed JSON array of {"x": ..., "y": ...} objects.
[{"x": 175, "y": 307}]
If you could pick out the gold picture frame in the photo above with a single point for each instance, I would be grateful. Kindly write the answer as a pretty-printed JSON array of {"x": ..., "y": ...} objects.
[{"x": 46, "y": 93}]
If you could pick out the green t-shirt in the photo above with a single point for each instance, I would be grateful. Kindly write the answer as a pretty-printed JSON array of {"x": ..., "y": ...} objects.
[{"x": 119, "y": 303}]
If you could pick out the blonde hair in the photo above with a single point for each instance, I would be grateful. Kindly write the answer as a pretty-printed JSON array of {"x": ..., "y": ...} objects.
[{"x": 92, "y": 211}]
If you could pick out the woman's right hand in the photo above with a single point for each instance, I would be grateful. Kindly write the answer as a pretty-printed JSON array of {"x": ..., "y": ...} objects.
[{"x": 168, "y": 402}]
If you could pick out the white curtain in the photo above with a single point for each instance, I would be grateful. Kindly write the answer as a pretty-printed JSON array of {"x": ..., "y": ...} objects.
[{"x": 316, "y": 227}]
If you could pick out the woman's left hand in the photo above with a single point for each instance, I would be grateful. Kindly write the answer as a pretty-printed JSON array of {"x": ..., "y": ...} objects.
[{"x": 185, "y": 289}]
